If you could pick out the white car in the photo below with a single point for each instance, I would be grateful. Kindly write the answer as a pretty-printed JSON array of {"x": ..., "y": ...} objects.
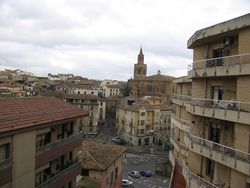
[
  {"x": 115, "y": 139},
  {"x": 134, "y": 174},
  {"x": 127, "y": 183}
]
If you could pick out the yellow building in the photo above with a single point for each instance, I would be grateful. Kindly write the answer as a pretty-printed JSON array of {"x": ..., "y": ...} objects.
[
  {"x": 38, "y": 142},
  {"x": 94, "y": 105},
  {"x": 143, "y": 121},
  {"x": 211, "y": 126}
]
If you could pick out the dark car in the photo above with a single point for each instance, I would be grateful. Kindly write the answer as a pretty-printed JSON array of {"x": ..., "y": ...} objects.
[
  {"x": 145, "y": 173},
  {"x": 120, "y": 142}
]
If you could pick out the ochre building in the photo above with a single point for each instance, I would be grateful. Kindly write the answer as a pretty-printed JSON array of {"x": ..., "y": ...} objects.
[{"x": 210, "y": 129}]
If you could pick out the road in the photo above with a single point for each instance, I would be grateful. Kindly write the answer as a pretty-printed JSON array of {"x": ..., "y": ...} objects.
[{"x": 143, "y": 162}]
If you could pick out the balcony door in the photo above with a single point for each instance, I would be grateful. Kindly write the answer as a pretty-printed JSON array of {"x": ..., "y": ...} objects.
[
  {"x": 217, "y": 94},
  {"x": 215, "y": 134},
  {"x": 218, "y": 53}
]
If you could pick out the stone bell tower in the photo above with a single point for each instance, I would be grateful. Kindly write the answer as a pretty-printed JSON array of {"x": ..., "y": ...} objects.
[{"x": 140, "y": 69}]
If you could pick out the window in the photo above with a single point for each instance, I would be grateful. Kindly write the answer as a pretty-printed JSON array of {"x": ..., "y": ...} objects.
[
  {"x": 4, "y": 152},
  {"x": 141, "y": 131},
  {"x": 142, "y": 122},
  {"x": 85, "y": 172},
  {"x": 70, "y": 184},
  {"x": 111, "y": 178},
  {"x": 42, "y": 139},
  {"x": 217, "y": 94},
  {"x": 143, "y": 114},
  {"x": 210, "y": 167},
  {"x": 116, "y": 173}
]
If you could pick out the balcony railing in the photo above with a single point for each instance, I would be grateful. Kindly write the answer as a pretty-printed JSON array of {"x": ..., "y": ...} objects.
[
  {"x": 59, "y": 142},
  {"x": 214, "y": 103},
  {"x": 185, "y": 124},
  {"x": 224, "y": 150},
  {"x": 221, "y": 61},
  {"x": 177, "y": 142},
  {"x": 220, "y": 104},
  {"x": 181, "y": 97},
  {"x": 189, "y": 176},
  {"x": 54, "y": 178}
]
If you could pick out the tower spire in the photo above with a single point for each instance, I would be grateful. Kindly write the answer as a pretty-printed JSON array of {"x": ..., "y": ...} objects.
[
  {"x": 141, "y": 53},
  {"x": 140, "y": 59}
]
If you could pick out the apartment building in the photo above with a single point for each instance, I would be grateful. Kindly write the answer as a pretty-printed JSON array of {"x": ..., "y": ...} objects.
[
  {"x": 94, "y": 105},
  {"x": 102, "y": 164},
  {"x": 38, "y": 142},
  {"x": 211, "y": 125},
  {"x": 143, "y": 121},
  {"x": 60, "y": 76},
  {"x": 109, "y": 88}
]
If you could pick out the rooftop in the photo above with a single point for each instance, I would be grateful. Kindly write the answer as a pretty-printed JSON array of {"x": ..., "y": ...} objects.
[
  {"x": 29, "y": 112},
  {"x": 226, "y": 28},
  {"x": 98, "y": 156},
  {"x": 82, "y": 96}
]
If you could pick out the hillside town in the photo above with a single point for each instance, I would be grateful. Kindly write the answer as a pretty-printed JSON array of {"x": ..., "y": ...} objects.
[{"x": 151, "y": 131}]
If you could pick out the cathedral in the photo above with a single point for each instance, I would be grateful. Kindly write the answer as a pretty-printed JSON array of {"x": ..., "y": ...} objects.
[{"x": 143, "y": 85}]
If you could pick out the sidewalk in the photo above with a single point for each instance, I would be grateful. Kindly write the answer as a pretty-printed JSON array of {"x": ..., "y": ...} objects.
[{"x": 146, "y": 150}]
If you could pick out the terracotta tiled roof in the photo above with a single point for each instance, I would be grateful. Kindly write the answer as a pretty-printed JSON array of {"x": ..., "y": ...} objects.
[
  {"x": 81, "y": 96},
  {"x": 28, "y": 112},
  {"x": 99, "y": 156},
  {"x": 113, "y": 86}
]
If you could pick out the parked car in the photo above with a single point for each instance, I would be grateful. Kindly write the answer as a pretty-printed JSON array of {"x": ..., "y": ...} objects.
[
  {"x": 134, "y": 174},
  {"x": 115, "y": 139},
  {"x": 127, "y": 183},
  {"x": 145, "y": 173},
  {"x": 121, "y": 142}
]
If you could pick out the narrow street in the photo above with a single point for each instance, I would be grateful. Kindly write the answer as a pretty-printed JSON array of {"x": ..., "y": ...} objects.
[
  {"x": 137, "y": 158},
  {"x": 143, "y": 162}
]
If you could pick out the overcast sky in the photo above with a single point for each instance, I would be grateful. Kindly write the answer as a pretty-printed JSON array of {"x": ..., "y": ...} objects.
[{"x": 100, "y": 39}]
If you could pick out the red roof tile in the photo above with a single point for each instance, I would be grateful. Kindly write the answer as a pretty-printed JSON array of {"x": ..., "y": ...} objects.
[
  {"x": 99, "y": 156},
  {"x": 27, "y": 112}
]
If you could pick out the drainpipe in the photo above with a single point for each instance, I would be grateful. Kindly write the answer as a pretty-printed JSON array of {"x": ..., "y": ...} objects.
[{"x": 203, "y": 127}]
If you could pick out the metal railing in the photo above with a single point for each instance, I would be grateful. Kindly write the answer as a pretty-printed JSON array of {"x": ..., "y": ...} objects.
[
  {"x": 220, "y": 61},
  {"x": 177, "y": 142},
  {"x": 59, "y": 142},
  {"x": 214, "y": 103},
  {"x": 182, "y": 121},
  {"x": 224, "y": 150},
  {"x": 59, "y": 175},
  {"x": 181, "y": 97},
  {"x": 190, "y": 176},
  {"x": 220, "y": 104}
]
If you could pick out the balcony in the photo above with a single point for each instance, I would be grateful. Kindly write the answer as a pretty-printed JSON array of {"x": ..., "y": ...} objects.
[
  {"x": 180, "y": 123},
  {"x": 180, "y": 100},
  {"x": 194, "y": 180},
  {"x": 171, "y": 158},
  {"x": 225, "y": 155},
  {"x": 235, "y": 65},
  {"x": 234, "y": 111},
  {"x": 68, "y": 173},
  {"x": 54, "y": 150},
  {"x": 180, "y": 147}
]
